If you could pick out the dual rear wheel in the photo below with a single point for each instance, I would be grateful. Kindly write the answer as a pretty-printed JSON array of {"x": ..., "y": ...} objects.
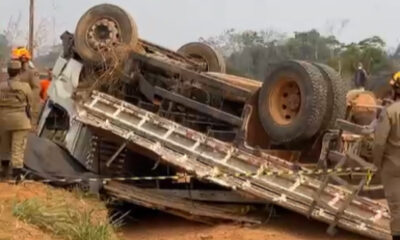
[{"x": 298, "y": 99}]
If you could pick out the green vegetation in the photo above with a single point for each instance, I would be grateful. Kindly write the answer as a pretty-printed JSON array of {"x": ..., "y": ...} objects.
[
  {"x": 249, "y": 53},
  {"x": 63, "y": 220}
]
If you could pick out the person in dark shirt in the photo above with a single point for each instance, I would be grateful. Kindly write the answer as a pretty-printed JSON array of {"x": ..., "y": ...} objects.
[{"x": 361, "y": 77}]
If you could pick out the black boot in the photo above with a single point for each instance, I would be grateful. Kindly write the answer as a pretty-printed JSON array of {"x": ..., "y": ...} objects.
[
  {"x": 18, "y": 171},
  {"x": 6, "y": 170},
  {"x": 396, "y": 237},
  {"x": 2, "y": 174},
  {"x": 18, "y": 174}
]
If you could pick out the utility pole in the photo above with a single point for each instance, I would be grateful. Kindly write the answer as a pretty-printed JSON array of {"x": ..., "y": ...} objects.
[{"x": 31, "y": 25}]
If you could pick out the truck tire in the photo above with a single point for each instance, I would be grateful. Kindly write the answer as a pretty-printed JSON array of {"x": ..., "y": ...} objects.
[
  {"x": 336, "y": 96},
  {"x": 214, "y": 60},
  {"x": 292, "y": 102},
  {"x": 102, "y": 29}
]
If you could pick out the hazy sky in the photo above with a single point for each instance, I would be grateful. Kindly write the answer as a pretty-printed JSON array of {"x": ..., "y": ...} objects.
[{"x": 174, "y": 22}]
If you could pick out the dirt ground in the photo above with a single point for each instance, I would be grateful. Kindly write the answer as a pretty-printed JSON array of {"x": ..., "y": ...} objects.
[
  {"x": 152, "y": 225},
  {"x": 286, "y": 226},
  {"x": 13, "y": 229}
]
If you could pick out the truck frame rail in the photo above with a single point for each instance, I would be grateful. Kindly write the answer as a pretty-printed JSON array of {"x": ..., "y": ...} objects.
[{"x": 206, "y": 158}]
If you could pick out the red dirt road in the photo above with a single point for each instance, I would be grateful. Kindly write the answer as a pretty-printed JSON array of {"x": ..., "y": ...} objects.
[{"x": 288, "y": 226}]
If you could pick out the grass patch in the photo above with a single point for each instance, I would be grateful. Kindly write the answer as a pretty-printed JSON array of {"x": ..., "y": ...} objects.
[{"x": 63, "y": 220}]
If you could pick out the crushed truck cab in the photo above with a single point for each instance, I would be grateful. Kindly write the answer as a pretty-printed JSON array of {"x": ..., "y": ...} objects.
[{"x": 123, "y": 106}]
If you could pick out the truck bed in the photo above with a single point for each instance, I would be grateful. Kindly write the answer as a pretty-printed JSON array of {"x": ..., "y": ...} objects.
[{"x": 224, "y": 164}]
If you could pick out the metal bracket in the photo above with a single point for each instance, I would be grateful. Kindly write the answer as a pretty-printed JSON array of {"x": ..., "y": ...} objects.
[{"x": 354, "y": 128}]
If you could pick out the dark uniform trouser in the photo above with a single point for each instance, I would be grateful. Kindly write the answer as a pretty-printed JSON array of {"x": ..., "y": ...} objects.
[
  {"x": 390, "y": 176},
  {"x": 12, "y": 146}
]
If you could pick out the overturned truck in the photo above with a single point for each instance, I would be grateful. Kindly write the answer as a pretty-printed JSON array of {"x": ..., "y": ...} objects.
[{"x": 123, "y": 107}]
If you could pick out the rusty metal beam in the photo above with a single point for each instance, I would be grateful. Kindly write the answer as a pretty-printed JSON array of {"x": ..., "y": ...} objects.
[
  {"x": 221, "y": 196},
  {"x": 200, "y": 107},
  {"x": 208, "y": 83}
]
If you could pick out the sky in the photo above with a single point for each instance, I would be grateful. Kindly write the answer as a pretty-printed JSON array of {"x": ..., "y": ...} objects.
[{"x": 172, "y": 23}]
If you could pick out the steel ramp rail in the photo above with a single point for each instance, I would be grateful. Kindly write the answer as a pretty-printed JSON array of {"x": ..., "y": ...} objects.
[{"x": 208, "y": 157}]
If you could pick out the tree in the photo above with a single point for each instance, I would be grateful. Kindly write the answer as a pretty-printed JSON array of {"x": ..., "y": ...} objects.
[
  {"x": 251, "y": 53},
  {"x": 231, "y": 41},
  {"x": 370, "y": 52},
  {"x": 14, "y": 34},
  {"x": 41, "y": 34},
  {"x": 312, "y": 46},
  {"x": 248, "y": 53},
  {"x": 47, "y": 61},
  {"x": 13, "y": 31},
  {"x": 4, "y": 48}
]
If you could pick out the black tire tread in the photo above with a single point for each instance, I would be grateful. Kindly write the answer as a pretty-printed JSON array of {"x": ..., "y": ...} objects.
[
  {"x": 337, "y": 91},
  {"x": 319, "y": 99},
  {"x": 315, "y": 114}
]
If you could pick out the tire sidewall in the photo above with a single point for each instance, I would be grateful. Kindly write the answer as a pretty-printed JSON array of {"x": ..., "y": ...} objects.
[
  {"x": 214, "y": 59},
  {"x": 309, "y": 118},
  {"x": 127, "y": 26}
]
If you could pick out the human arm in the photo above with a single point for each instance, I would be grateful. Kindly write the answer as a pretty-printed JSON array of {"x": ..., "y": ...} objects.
[
  {"x": 382, "y": 131},
  {"x": 29, "y": 100}
]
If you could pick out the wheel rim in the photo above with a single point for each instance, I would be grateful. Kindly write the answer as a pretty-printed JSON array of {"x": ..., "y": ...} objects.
[
  {"x": 284, "y": 101},
  {"x": 103, "y": 35},
  {"x": 200, "y": 60}
]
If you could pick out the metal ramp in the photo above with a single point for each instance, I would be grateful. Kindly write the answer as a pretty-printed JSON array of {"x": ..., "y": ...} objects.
[{"x": 224, "y": 164}]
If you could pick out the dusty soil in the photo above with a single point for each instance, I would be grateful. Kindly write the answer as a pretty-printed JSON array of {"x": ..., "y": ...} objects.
[
  {"x": 287, "y": 226},
  {"x": 13, "y": 229},
  {"x": 155, "y": 225}
]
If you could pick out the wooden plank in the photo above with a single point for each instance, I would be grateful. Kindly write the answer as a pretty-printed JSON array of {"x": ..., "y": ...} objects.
[
  {"x": 277, "y": 189},
  {"x": 173, "y": 204}
]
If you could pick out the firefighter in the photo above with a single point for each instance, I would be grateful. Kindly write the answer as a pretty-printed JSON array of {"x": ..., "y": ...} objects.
[
  {"x": 386, "y": 154},
  {"x": 30, "y": 76},
  {"x": 44, "y": 85},
  {"x": 15, "y": 122}
]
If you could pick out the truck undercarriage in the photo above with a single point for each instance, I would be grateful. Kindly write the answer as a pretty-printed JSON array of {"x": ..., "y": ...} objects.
[{"x": 138, "y": 109}]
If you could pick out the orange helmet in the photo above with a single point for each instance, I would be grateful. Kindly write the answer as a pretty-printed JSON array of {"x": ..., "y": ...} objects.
[{"x": 20, "y": 52}]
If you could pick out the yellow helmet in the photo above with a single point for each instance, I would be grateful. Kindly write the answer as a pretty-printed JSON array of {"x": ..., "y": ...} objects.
[
  {"x": 395, "y": 80},
  {"x": 21, "y": 52}
]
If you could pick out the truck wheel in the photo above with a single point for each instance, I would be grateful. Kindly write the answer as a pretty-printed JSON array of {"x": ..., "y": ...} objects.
[
  {"x": 292, "y": 102},
  {"x": 102, "y": 29},
  {"x": 206, "y": 54},
  {"x": 336, "y": 97}
]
